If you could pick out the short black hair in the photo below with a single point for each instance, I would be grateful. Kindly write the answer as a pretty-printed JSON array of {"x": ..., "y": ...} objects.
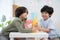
[
  {"x": 47, "y": 9},
  {"x": 20, "y": 10}
]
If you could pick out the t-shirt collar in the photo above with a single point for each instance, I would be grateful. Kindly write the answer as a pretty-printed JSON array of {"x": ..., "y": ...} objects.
[{"x": 46, "y": 20}]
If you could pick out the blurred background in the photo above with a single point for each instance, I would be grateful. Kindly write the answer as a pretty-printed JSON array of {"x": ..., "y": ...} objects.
[{"x": 7, "y": 10}]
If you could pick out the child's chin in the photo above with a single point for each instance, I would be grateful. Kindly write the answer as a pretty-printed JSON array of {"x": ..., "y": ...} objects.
[{"x": 45, "y": 18}]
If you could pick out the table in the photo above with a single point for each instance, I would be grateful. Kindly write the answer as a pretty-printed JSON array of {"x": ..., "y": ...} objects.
[{"x": 37, "y": 36}]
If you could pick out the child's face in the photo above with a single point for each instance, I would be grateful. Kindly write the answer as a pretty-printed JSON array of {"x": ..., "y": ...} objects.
[
  {"x": 24, "y": 16},
  {"x": 45, "y": 15}
]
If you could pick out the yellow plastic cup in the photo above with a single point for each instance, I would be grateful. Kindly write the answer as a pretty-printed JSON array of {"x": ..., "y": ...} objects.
[{"x": 34, "y": 24}]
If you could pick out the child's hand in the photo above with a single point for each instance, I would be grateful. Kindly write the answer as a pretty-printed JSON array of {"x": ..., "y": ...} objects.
[
  {"x": 34, "y": 28},
  {"x": 38, "y": 28}
]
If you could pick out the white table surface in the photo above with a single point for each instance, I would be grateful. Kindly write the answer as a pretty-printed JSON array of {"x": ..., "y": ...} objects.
[{"x": 27, "y": 35}]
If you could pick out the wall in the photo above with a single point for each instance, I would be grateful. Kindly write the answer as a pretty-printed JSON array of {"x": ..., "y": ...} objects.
[{"x": 6, "y": 8}]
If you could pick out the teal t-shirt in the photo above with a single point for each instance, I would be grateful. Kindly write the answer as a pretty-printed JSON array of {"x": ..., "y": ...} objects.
[{"x": 49, "y": 24}]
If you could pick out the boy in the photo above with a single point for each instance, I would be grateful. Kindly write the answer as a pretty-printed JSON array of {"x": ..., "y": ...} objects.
[
  {"x": 47, "y": 24},
  {"x": 17, "y": 24}
]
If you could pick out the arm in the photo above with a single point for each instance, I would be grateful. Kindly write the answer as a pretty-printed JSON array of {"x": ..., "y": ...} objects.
[
  {"x": 49, "y": 27},
  {"x": 20, "y": 28},
  {"x": 44, "y": 29}
]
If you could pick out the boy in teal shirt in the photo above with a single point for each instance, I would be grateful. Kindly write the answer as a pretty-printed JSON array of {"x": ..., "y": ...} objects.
[{"x": 47, "y": 25}]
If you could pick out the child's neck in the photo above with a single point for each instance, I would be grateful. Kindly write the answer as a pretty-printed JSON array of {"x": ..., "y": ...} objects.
[
  {"x": 21, "y": 18},
  {"x": 46, "y": 19}
]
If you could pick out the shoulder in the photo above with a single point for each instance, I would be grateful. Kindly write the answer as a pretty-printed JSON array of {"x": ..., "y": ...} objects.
[
  {"x": 16, "y": 20},
  {"x": 50, "y": 21},
  {"x": 41, "y": 20}
]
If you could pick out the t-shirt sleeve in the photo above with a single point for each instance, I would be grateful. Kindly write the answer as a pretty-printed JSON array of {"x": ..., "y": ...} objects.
[
  {"x": 51, "y": 25},
  {"x": 20, "y": 28}
]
